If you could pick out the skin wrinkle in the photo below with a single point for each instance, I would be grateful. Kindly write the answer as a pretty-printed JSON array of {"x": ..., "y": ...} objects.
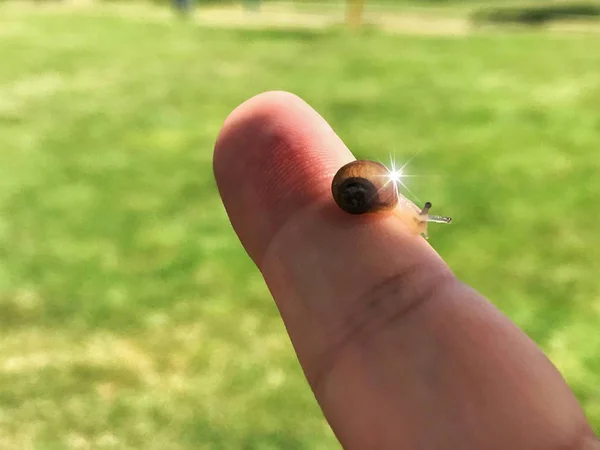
[{"x": 377, "y": 310}]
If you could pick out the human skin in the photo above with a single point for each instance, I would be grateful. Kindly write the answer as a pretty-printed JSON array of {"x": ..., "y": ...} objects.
[{"x": 398, "y": 352}]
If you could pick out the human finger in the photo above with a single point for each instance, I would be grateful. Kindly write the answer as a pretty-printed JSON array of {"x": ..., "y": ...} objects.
[{"x": 399, "y": 353}]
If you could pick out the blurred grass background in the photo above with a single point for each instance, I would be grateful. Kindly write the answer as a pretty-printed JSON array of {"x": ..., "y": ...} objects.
[{"x": 130, "y": 316}]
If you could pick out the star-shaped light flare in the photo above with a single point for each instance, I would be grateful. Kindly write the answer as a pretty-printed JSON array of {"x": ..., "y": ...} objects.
[{"x": 396, "y": 175}]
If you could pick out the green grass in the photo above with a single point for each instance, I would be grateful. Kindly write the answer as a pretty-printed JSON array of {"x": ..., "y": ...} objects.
[{"x": 130, "y": 315}]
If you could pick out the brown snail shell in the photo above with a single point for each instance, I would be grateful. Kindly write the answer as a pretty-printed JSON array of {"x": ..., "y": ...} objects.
[{"x": 362, "y": 187}]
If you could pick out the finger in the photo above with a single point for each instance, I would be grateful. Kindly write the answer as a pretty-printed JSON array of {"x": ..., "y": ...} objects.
[{"x": 398, "y": 352}]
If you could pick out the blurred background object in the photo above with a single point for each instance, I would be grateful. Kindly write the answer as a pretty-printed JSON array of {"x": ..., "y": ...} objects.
[
  {"x": 184, "y": 7},
  {"x": 252, "y": 5},
  {"x": 131, "y": 316},
  {"x": 355, "y": 13}
]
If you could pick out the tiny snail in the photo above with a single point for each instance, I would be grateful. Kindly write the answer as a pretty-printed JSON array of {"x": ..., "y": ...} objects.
[{"x": 363, "y": 187}]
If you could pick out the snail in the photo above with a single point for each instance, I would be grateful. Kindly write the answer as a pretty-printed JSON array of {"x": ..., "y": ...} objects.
[{"x": 363, "y": 187}]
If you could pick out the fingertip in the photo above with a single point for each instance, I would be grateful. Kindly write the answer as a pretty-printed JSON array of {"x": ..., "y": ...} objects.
[
  {"x": 273, "y": 156},
  {"x": 268, "y": 103}
]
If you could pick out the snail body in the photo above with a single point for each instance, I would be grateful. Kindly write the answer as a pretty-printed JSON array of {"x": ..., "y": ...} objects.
[{"x": 367, "y": 187}]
